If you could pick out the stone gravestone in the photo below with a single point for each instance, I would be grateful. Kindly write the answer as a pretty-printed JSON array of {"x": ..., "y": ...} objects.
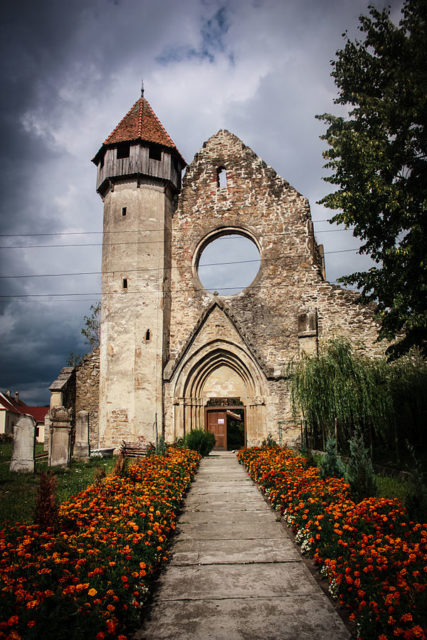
[
  {"x": 60, "y": 437},
  {"x": 81, "y": 445},
  {"x": 24, "y": 443}
]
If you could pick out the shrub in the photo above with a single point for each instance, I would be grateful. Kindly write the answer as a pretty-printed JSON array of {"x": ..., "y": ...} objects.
[
  {"x": 331, "y": 465},
  {"x": 416, "y": 497},
  {"x": 46, "y": 511},
  {"x": 359, "y": 472},
  {"x": 120, "y": 466},
  {"x": 269, "y": 442},
  {"x": 160, "y": 449},
  {"x": 201, "y": 441}
]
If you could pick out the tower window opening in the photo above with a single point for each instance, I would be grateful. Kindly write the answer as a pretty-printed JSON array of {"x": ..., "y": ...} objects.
[
  {"x": 124, "y": 211},
  {"x": 155, "y": 153},
  {"x": 125, "y": 283},
  {"x": 123, "y": 151},
  {"x": 101, "y": 164},
  {"x": 221, "y": 174},
  {"x": 148, "y": 335}
]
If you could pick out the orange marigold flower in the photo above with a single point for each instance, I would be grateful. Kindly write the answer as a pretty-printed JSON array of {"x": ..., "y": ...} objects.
[
  {"x": 92, "y": 592},
  {"x": 407, "y": 617}
]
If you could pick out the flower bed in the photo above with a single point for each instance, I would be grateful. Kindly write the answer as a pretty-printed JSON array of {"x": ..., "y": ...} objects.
[
  {"x": 373, "y": 557},
  {"x": 91, "y": 577}
]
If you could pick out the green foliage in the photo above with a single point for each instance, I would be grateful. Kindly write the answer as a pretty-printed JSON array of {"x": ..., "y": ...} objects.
[
  {"x": 331, "y": 464},
  {"x": 91, "y": 330},
  {"x": 391, "y": 487},
  {"x": 269, "y": 442},
  {"x": 201, "y": 441},
  {"x": 377, "y": 155},
  {"x": 341, "y": 389},
  {"x": 359, "y": 472},
  {"x": 416, "y": 497},
  {"x": 160, "y": 449},
  {"x": 73, "y": 359}
]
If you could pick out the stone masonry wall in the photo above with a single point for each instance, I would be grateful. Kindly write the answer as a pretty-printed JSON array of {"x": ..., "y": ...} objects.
[
  {"x": 264, "y": 206},
  {"x": 261, "y": 205},
  {"x": 87, "y": 392}
]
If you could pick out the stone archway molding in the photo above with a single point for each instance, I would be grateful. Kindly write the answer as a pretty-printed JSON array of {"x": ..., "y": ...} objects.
[{"x": 191, "y": 375}]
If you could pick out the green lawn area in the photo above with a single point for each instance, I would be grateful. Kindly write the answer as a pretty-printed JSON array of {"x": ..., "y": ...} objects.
[{"x": 18, "y": 490}]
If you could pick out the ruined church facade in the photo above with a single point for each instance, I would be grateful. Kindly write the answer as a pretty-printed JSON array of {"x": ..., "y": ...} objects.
[{"x": 173, "y": 355}]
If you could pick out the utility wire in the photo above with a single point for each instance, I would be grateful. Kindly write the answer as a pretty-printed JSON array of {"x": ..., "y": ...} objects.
[
  {"x": 127, "y": 292},
  {"x": 87, "y": 233},
  {"x": 231, "y": 236},
  {"x": 200, "y": 266}
]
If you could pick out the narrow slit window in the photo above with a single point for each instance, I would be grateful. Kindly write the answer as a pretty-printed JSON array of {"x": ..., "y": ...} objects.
[
  {"x": 124, "y": 211},
  {"x": 125, "y": 283},
  {"x": 221, "y": 178},
  {"x": 148, "y": 335}
]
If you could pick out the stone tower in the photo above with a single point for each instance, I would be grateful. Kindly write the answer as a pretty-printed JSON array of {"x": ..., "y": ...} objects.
[{"x": 139, "y": 174}]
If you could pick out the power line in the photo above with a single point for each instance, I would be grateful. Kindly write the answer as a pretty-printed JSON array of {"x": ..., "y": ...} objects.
[
  {"x": 129, "y": 292},
  {"x": 231, "y": 236},
  {"x": 201, "y": 266},
  {"x": 87, "y": 233}
]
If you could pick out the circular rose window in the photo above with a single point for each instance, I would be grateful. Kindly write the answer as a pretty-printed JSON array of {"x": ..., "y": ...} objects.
[{"x": 228, "y": 263}]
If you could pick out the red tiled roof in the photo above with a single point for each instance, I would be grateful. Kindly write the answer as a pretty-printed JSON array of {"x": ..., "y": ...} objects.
[
  {"x": 141, "y": 123},
  {"x": 38, "y": 413},
  {"x": 17, "y": 406},
  {"x": 8, "y": 404}
]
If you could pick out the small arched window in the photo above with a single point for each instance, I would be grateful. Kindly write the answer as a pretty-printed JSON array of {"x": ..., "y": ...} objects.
[
  {"x": 148, "y": 335},
  {"x": 221, "y": 174}
]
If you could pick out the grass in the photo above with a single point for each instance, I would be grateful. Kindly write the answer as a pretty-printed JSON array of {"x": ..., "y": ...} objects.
[
  {"x": 18, "y": 491},
  {"x": 391, "y": 487}
]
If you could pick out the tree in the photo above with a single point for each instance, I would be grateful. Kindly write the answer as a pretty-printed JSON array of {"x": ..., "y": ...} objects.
[
  {"x": 378, "y": 158},
  {"x": 92, "y": 326}
]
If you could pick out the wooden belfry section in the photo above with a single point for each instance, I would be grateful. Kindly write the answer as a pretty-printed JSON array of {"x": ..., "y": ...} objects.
[{"x": 170, "y": 349}]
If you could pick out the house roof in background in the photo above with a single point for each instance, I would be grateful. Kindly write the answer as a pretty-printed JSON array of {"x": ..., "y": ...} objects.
[{"x": 16, "y": 405}]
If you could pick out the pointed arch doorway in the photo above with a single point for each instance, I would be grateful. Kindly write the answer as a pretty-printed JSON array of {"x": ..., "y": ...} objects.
[{"x": 225, "y": 418}]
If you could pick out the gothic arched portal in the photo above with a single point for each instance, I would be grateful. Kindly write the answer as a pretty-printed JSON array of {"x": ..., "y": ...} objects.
[{"x": 219, "y": 370}]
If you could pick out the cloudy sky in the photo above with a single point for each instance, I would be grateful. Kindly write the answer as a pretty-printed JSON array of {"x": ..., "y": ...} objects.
[{"x": 71, "y": 70}]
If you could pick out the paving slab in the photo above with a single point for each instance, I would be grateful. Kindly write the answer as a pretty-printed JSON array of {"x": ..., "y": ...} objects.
[
  {"x": 283, "y": 618},
  {"x": 188, "y": 552},
  {"x": 233, "y": 530},
  {"x": 237, "y": 581},
  {"x": 224, "y": 487},
  {"x": 214, "y": 502},
  {"x": 225, "y": 517},
  {"x": 234, "y": 573}
]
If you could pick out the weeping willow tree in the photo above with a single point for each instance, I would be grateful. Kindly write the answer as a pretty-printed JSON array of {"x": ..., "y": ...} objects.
[{"x": 341, "y": 389}]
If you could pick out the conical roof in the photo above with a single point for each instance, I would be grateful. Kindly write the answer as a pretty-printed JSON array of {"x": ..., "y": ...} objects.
[{"x": 141, "y": 123}]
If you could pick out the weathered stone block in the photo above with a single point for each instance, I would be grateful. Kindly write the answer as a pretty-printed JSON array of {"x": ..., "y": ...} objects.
[
  {"x": 24, "y": 442},
  {"x": 81, "y": 444}
]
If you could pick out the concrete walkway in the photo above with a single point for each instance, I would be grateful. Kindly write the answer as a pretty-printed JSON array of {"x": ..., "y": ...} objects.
[{"x": 235, "y": 574}]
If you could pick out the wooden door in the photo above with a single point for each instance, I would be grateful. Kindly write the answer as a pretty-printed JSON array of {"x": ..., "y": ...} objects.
[{"x": 217, "y": 424}]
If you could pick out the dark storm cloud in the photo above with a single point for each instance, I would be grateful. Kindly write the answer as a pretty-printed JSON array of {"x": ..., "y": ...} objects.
[{"x": 71, "y": 70}]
